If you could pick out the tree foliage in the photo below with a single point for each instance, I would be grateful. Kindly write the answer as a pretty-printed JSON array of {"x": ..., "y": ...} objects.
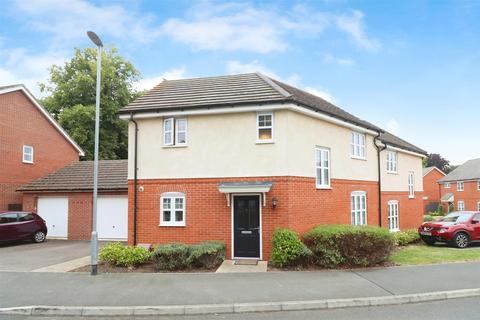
[
  {"x": 436, "y": 160},
  {"x": 71, "y": 100}
]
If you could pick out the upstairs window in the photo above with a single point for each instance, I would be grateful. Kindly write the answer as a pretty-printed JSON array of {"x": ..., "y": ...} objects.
[
  {"x": 447, "y": 185},
  {"x": 359, "y": 208},
  {"x": 411, "y": 184},
  {"x": 357, "y": 145},
  {"x": 174, "y": 132},
  {"x": 322, "y": 165},
  {"x": 264, "y": 127},
  {"x": 172, "y": 209},
  {"x": 460, "y": 186},
  {"x": 392, "y": 161},
  {"x": 27, "y": 154}
]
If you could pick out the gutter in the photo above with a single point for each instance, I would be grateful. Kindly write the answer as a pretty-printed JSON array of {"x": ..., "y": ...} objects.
[
  {"x": 379, "y": 150},
  {"x": 135, "y": 181}
]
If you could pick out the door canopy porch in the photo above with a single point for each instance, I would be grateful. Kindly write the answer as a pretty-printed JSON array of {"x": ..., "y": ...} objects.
[
  {"x": 229, "y": 188},
  {"x": 448, "y": 197}
]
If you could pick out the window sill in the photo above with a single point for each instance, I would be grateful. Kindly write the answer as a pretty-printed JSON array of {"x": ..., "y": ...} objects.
[
  {"x": 175, "y": 146},
  {"x": 172, "y": 225},
  {"x": 358, "y": 158},
  {"x": 392, "y": 172},
  {"x": 27, "y": 162},
  {"x": 395, "y": 230},
  {"x": 323, "y": 187},
  {"x": 411, "y": 197},
  {"x": 265, "y": 142}
]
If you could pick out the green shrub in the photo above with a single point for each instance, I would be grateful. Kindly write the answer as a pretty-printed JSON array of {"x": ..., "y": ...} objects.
[
  {"x": 208, "y": 254},
  {"x": 403, "y": 238},
  {"x": 124, "y": 256},
  {"x": 172, "y": 256},
  {"x": 427, "y": 218},
  {"x": 287, "y": 249},
  {"x": 345, "y": 245}
]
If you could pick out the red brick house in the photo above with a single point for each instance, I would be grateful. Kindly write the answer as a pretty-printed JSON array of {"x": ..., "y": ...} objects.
[
  {"x": 231, "y": 158},
  {"x": 460, "y": 188},
  {"x": 32, "y": 144},
  {"x": 64, "y": 199},
  {"x": 431, "y": 189}
]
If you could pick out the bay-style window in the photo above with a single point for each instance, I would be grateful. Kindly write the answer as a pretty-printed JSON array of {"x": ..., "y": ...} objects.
[
  {"x": 357, "y": 145},
  {"x": 172, "y": 209},
  {"x": 264, "y": 127},
  {"x": 392, "y": 160},
  {"x": 174, "y": 132},
  {"x": 322, "y": 165},
  {"x": 358, "y": 201}
]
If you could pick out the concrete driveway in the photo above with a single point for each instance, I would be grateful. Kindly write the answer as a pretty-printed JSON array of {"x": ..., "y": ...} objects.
[{"x": 25, "y": 256}]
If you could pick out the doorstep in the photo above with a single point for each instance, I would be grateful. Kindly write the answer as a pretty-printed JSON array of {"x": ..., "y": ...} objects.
[{"x": 229, "y": 266}]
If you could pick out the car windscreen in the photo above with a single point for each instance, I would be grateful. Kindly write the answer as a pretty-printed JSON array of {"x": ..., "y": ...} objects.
[{"x": 457, "y": 217}]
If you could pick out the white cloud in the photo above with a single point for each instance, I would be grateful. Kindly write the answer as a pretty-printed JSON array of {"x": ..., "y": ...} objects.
[
  {"x": 329, "y": 58},
  {"x": 324, "y": 94},
  {"x": 353, "y": 24},
  {"x": 149, "y": 83},
  {"x": 392, "y": 126}
]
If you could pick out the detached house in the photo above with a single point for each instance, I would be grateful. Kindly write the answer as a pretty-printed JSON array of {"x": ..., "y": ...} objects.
[
  {"x": 460, "y": 189},
  {"x": 32, "y": 144},
  {"x": 232, "y": 158}
]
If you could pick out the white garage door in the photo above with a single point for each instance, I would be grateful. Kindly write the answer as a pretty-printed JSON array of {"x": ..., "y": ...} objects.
[
  {"x": 54, "y": 210},
  {"x": 112, "y": 217}
]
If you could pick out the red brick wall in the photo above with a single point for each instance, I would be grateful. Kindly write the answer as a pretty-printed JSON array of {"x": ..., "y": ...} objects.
[
  {"x": 431, "y": 188},
  {"x": 470, "y": 195},
  {"x": 22, "y": 123},
  {"x": 410, "y": 209},
  {"x": 79, "y": 210},
  {"x": 300, "y": 207}
]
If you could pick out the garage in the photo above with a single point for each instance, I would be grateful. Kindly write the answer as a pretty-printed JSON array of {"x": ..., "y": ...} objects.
[
  {"x": 112, "y": 217},
  {"x": 65, "y": 200},
  {"x": 54, "y": 210}
]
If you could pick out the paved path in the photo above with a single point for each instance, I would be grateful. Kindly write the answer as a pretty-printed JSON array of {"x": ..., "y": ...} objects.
[{"x": 79, "y": 289}]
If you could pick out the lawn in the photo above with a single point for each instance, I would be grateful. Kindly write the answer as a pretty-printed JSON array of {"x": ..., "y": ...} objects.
[{"x": 423, "y": 254}]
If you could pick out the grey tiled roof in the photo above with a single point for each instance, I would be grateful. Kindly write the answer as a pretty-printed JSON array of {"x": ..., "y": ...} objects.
[
  {"x": 426, "y": 170},
  {"x": 78, "y": 176},
  {"x": 470, "y": 170},
  {"x": 243, "y": 89}
]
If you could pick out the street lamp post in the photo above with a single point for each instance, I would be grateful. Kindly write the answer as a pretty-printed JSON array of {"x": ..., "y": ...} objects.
[{"x": 94, "y": 240}]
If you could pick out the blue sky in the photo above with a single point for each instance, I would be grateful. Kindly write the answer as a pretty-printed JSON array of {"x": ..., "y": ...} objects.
[{"x": 412, "y": 67}]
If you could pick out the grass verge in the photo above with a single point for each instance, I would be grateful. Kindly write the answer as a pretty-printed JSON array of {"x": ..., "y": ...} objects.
[{"x": 423, "y": 254}]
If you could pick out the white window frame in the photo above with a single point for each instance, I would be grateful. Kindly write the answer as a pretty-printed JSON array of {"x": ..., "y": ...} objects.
[
  {"x": 173, "y": 196},
  {"x": 177, "y": 131},
  {"x": 322, "y": 167},
  {"x": 168, "y": 132},
  {"x": 463, "y": 205},
  {"x": 358, "y": 142},
  {"x": 358, "y": 208},
  {"x": 460, "y": 183},
  {"x": 24, "y": 153},
  {"x": 478, "y": 206},
  {"x": 271, "y": 127},
  {"x": 447, "y": 185},
  {"x": 478, "y": 185},
  {"x": 392, "y": 161},
  {"x": 393, "y": 216},
  {"x": 411, "y": 184}
]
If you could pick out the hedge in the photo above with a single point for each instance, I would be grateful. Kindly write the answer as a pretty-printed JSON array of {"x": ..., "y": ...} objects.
[
  {"x": 345, "y": 245},
  {"x": 208, "y": 254},
  {"x": 287, "y": 249},
  {"x": 124, "y": 256},
  {"x": 403, "y": 238}
]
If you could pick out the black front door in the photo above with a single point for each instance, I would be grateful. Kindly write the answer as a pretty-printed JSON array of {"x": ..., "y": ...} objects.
[{"x": 246, "y": 226}]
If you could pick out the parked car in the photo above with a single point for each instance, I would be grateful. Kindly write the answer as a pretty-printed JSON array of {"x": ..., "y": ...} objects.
[
  {"x": 458, "y": 228},
  {"x": 22, "y": 226}
]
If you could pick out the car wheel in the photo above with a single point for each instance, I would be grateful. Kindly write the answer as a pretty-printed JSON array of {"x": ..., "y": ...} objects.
[
  {"x": 39, "y": 236},
  {"x": 461, "y": 240},
  {"x": 429, "y": 241}
]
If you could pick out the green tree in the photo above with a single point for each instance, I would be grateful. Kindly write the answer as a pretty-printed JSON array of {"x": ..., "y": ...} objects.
[
  {"x": 436, "y": 160},
  {"x": 70, "y": 98}
]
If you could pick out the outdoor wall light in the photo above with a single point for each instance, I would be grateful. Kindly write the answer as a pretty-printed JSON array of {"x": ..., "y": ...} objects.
[{"x": 274, "y": 202}]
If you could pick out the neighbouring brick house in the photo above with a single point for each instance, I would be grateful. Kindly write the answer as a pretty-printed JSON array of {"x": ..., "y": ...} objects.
[
  {"x": 460, "y": 188},
  {"x": 232, "y": 158},
  {"x": 431, "y": 188},
  {"x": 32, "y": 144},
  {"x": 64, "y": 199}
]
